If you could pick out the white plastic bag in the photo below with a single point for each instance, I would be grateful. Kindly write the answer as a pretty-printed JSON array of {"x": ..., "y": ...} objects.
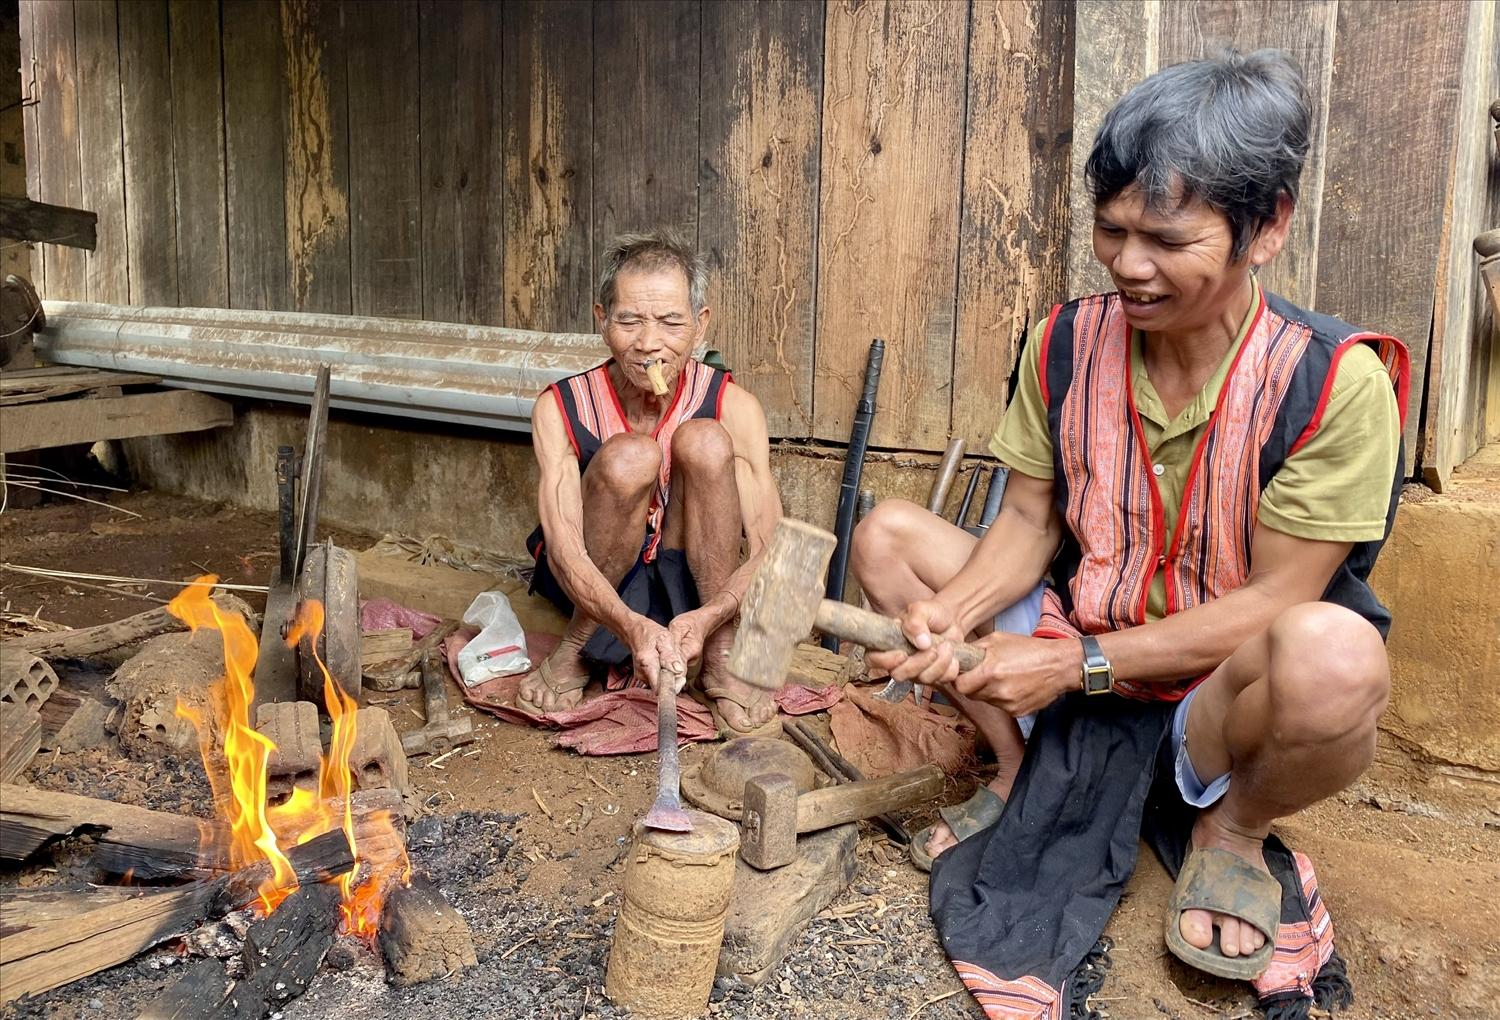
[{"x": 500, "y": 647}]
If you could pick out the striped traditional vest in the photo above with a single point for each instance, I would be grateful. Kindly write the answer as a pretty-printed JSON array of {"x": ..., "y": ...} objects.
[
  {"x": 592, "y": 414},
  {"x": 1115, "y": 538}
]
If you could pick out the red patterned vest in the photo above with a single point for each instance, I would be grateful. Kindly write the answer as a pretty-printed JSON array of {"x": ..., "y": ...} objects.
[
  {"x": 592, "y": 414},
  {"x": 1115, "y": 538}
]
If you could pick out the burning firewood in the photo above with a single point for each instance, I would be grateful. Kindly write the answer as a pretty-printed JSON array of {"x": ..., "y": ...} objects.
[{"x": 46, "y": 944}]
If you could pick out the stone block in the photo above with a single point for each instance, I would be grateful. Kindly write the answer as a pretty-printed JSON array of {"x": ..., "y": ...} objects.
[
  {"x": 72, "y": 722},
  {"x": 377, "y": 760},
  {"x": 769, "y": 908},
  {"x": 293, "y": 727}
]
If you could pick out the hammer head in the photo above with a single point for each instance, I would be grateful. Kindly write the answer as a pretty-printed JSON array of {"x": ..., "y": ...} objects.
[
  {"x": 768, "y": 837},
  {"x": 781, "y": 603},
  {"x": 438, "y": 737}
]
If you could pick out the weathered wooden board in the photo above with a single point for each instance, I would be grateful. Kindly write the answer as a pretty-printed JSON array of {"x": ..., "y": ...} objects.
[
  {"x": 385, "y": 271},
  {"x": 145, "y": 113},
  {"x": 20, "y": 738},
  {"x": 254, "y": 145},
  {"x": 25, "y": 220},
  {"x": 462, "y": 180},
  {"x": 761, "y": 106},
  {"x": 1464, "y": 339},
  {"x": 1115, "y": 47},
  {"x": 893, "y": 125},
  {"x": 646, "y": 55},
  {"x": 101, "y": 147},
  {"x": 198, "y": 154},
  {"x": 48, "y": 954},
  {"x": 1305, "y": 30},
  {"x": 1383, "y": 205},
  {"x": 1015, "y": 200},
  {"x": 317, "y": 155},
  {"x": 57, "y": 140},
  {"x": 548, "y": 164},
  {"x": 63, "y": 422},
  {"x": 32, "y": 154}
]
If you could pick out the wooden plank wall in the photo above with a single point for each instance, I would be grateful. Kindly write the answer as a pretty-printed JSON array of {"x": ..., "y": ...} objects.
[
  {"x": 850, "y": 168},
  {"x": 853, "y": 168}
]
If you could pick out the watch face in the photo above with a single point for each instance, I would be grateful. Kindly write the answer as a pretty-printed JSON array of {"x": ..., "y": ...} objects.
[{"x": 1097, "y": 681}]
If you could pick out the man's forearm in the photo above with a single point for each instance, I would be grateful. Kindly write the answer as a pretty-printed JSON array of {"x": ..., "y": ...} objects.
[
  {"x": 1192, "y": 642},
  {"x": 591, "y": 592},
  {"x": 1005, "y": 566}
]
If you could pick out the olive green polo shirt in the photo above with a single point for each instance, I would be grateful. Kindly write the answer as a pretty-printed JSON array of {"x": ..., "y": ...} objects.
[{"x": 1336, "y": 488}]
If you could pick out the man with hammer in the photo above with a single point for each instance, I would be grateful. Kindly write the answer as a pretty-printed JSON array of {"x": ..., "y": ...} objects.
[
  {"x": 655, "y": 470},
  {"x": 1173, "y": 599}
]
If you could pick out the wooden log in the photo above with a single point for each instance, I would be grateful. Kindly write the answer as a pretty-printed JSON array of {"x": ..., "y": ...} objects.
[
  {"x": 152, "y": 844},
  {"x": 20, "y": 738},
  {"x": 284, "y": 951},
  {"x": 205, "y": 991},
  {"x": 393, "y": 676},
  {"x": 74, "y": 944},
  {"x": 86, "y": 641},
  {"x": 42, "y": 426},
  {"x": 421, "y": 936}
]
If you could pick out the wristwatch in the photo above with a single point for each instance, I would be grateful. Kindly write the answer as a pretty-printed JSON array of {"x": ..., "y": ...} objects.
[{"x": 1098, "y": 674}]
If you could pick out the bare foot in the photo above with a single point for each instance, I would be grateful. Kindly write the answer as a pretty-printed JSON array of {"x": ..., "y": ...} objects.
[
  {"x": 1236, "y": 937},
  {"x": 756, "y": 707},
  {"x": 942, "y": 836},
  {"x": 566, "y": 667}
]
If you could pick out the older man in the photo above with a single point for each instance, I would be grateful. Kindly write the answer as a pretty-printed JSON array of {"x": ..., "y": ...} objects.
[
  {"x": 649, "y": 488},
  {"x": 1204, "y": 474}
]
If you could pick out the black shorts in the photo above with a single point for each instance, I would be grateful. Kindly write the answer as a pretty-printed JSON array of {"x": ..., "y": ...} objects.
[{"x": 659, "y": 591}]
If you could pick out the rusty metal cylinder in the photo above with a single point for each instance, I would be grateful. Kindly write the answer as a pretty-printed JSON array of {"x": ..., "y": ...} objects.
[{"x": 671, "y": 920}]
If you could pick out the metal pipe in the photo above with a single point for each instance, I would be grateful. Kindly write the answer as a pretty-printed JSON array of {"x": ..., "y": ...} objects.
[{"x": 486, "y": 376}]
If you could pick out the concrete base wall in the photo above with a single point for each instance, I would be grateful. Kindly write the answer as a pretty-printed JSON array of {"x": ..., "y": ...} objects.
[
  {"x": 1440, "y": 573},
  {"x": 476, "y": 488}
]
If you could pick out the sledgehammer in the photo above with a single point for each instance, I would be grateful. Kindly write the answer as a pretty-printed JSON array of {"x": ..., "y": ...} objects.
[{"x": 785, "y": 600}]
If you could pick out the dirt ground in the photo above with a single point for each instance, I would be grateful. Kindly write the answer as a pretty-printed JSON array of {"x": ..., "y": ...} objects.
[{"x": 528, "y": 841}]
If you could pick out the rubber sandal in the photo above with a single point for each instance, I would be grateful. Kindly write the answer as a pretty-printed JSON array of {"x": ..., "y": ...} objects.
[
  {"x": 1218, "y": 881},
  {"x": 979, "y": 812},
  {"x": 770, "y": 728},
  {"x": 568, "y": 686}
]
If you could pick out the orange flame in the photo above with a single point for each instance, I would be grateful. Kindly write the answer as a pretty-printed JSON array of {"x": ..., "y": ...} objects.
[
  {"x": 364, "y": 887},
  {"x": 256, "y": 831},
  {"x": 245, "y": 750}
]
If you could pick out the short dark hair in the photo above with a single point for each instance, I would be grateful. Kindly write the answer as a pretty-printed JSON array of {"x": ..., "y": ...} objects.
[
  {"x": 1231, "y": 130},
  {"x": 661, "y": 249}
]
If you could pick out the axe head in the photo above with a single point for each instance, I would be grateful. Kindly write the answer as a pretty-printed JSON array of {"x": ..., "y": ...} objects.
[
  {"x": 768, "y": 837},
  {"x": 781, "y": 603}
]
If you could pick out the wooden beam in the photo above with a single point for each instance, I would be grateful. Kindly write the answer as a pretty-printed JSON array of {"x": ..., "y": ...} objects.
[
  {"x": 153, "y": 843},
  {"x": 25, "y": 220},
  {"x": 64, "y": 422}
]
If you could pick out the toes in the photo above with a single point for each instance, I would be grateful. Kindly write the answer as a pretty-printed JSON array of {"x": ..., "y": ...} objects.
[
  {"x": 941, "y": 839},
  {"x": 1197, "y": 928}
]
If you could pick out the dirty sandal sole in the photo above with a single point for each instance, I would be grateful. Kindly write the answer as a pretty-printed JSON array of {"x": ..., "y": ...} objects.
[
  {"x": 1222, "y": 883},
  {"x": 980, "y": 811}
]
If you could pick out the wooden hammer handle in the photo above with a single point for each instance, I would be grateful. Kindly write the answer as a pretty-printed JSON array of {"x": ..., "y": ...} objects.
[
  {"x": 849, "y": 802},
  {"x": 881, "y": 633}
]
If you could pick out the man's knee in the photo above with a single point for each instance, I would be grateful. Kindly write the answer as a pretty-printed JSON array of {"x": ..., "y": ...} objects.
[
  {"x": 1328, "y": 671},
  {"x": 627, "y": 465},
  {"x": 886, "y": 532},
  {"x": 701, "y": 445}
]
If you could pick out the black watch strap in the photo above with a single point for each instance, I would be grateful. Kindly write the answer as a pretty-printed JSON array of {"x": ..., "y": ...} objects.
[{"x": 1098, "y": 677}]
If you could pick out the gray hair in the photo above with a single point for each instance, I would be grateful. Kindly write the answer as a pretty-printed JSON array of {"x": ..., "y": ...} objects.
[
  {"x": 660, "y": 249},
  {"x": 1231, "y": 130}
]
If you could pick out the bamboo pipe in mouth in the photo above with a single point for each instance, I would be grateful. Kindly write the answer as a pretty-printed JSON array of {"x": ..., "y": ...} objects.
[{"x": 658, "y": 381}]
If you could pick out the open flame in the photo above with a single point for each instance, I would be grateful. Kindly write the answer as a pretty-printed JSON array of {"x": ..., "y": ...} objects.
[
  {"x": 258, "y": 831},
  {"x": 241, "y": 794}
]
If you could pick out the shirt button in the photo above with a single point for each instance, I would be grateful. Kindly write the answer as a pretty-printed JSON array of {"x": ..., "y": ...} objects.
[
  {"x": 1158, "y": 470},
  {"x": 1161, "y": 561}
]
